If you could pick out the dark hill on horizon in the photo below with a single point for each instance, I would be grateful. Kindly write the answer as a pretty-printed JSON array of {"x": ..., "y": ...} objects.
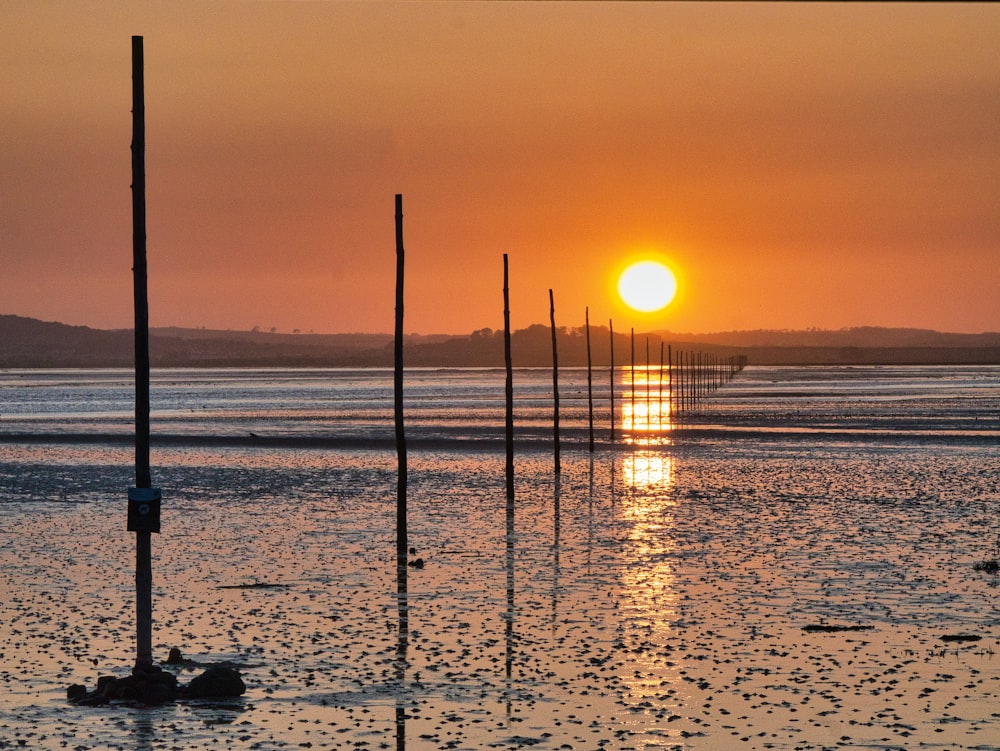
[{"x": 30, "y": 343}]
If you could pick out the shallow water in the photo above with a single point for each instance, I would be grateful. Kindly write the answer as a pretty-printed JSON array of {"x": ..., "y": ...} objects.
[{"x": 653, "y": 598}]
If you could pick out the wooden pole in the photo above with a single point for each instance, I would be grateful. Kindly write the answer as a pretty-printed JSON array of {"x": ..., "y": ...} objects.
[
  {"x": 632, "y": 371},
  {"x": 143, "y": 478},
  {"x": 509, "y": 441},
  {"x": 611, "y": 330},
  {"x": 555, "y": 384},
  {"x": 590, "y": 383},
  {"x": 659, "y": 392},
  {"x": 649, "y": 406},
  {"x": 401, "y": 476},
  {"x": 508, "y": 390},
  {"x": 670, "y": 382}
]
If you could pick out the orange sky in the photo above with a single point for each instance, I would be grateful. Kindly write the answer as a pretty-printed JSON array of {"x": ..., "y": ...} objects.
[{"x": 817, "y": 165}]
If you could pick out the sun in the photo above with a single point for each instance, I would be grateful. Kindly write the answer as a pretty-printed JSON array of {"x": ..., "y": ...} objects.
[{"x": 647, "y": 286}]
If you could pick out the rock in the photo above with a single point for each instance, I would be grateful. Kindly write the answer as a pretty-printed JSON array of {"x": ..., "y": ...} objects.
[
  {"x": 148, "y": 685},
  {"x": 76, "y": 692},
  {"x": 216, "y": 681},
  {"x": 175, "y": 657}
]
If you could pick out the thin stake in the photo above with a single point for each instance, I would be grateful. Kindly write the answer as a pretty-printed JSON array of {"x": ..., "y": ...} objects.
[
  {"x": 143, "y": 478},
  {"x": 611, "y": 330},
  {"x": 649, "y": 406},
  {"x": 555, "y": 383},
  {"x": 659, "y": 392},
  {"x": 670, "y": 382},
  {"x": 590, "y": 383},
  {"x": 401, "y": 478},
  {"x": 509, "y": 424},
  {"x": 508, "y": 390},
  {"x": 632, "y": 370}
]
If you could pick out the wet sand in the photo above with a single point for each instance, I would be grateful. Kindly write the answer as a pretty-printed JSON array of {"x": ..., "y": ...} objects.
[{"x": 652, "y": 600}]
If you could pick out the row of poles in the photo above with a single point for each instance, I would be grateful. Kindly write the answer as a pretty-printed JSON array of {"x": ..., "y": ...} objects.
[
  {"x": 670, "y": 389},
  {"x": 690, "y": 377}
]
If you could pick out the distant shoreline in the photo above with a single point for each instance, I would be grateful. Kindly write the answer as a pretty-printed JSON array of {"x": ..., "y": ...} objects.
[
  {"x": 29, "y": 343},
  {"x": 415, "y": 358}
]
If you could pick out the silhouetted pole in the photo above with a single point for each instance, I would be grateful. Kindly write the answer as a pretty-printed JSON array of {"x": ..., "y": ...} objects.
[
  {"x": 659, "y": 391},
  {"x": 632, "y": 371},
  {"x": 401, "y": 531},
  {"x": 590, "y": 383},
  {"x": 555, "y": 383},
  {"x": 508, "y": 390},
  {"x": 670, "y": 381},
  {"x": 143, "y": 478},
  {"x": 649, "y": 406},
  {"x": 611, "y": 331},
  {"x": 509, "y": 441},
  {"x": 681, "y": 384}
]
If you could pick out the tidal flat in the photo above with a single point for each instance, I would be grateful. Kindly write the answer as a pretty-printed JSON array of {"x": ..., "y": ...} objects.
[
  {"x": 799, "y": 570},
  {"x": 655, "y": 598}
]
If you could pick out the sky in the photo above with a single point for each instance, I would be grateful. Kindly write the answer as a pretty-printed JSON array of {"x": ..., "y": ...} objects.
[{"x": 797, "y": 165}]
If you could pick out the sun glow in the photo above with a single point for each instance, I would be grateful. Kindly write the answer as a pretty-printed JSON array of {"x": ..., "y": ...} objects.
[{"x": 647, "y": 286}]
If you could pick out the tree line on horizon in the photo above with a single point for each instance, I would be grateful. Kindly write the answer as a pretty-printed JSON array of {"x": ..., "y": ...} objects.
[{"x": 26, "y": 342}]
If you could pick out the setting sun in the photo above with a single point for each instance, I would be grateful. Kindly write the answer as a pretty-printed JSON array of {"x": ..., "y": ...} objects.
[{"x": 647, "y": 286}]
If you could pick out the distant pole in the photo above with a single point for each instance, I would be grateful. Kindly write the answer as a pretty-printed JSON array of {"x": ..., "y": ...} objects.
[
  {"x": 143, "y": 478},
  {"x": 659, "y": 392},
  {"x": 555, "y": 383},
  {"x": 649, "y": 406},
  {"x": 590, "y": 383},
  {"x": 509, "y": 389},
  {"x": 670, "y": 382},
  {"x": 611, "y": 331},
  {"x": 632, "y": 370},
  {"x": 401, "y": 531}
]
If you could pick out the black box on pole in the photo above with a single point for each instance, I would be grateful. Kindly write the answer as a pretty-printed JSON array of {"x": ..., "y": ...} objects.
[{"x": 143, "y": 509}]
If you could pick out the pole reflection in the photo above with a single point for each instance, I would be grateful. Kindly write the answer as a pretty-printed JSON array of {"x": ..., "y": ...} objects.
[
  {"x": 143, "y": 728},
  {"x": 509, "y": 614},
  {"x": 402, "y": 647},
  {"x": 556, "y": 524}
]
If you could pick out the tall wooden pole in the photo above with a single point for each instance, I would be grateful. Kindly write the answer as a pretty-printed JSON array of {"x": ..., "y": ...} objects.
[
  {"x": 143, "y": 478},
  {"x": 590, "y": 383},
  {"x": 508, "y": 391},
  {"x": 509, "y": 441},
  {"x": 555, "y": 384},
  {"x": 401, "y": 478},
  {"x": 611, "y": 331}
]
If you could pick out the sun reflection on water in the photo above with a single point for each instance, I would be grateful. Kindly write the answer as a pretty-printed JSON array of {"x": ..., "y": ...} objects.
[
  {"x": 645, "y": 407},
  {"x": 648, "y": 470},
  {"x": 648, "y": 592}
]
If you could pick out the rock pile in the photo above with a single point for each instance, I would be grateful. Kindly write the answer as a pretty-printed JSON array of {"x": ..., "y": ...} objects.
[{"x": 151, "y": 685}]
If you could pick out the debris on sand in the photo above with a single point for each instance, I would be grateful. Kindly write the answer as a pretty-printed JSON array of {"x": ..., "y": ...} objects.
[
  {"x": 253, "y": 585},
  {"x": 825, "y": 628},
  {"x": 961, "y": 637},
  {"x": 987, "y": 567}
]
